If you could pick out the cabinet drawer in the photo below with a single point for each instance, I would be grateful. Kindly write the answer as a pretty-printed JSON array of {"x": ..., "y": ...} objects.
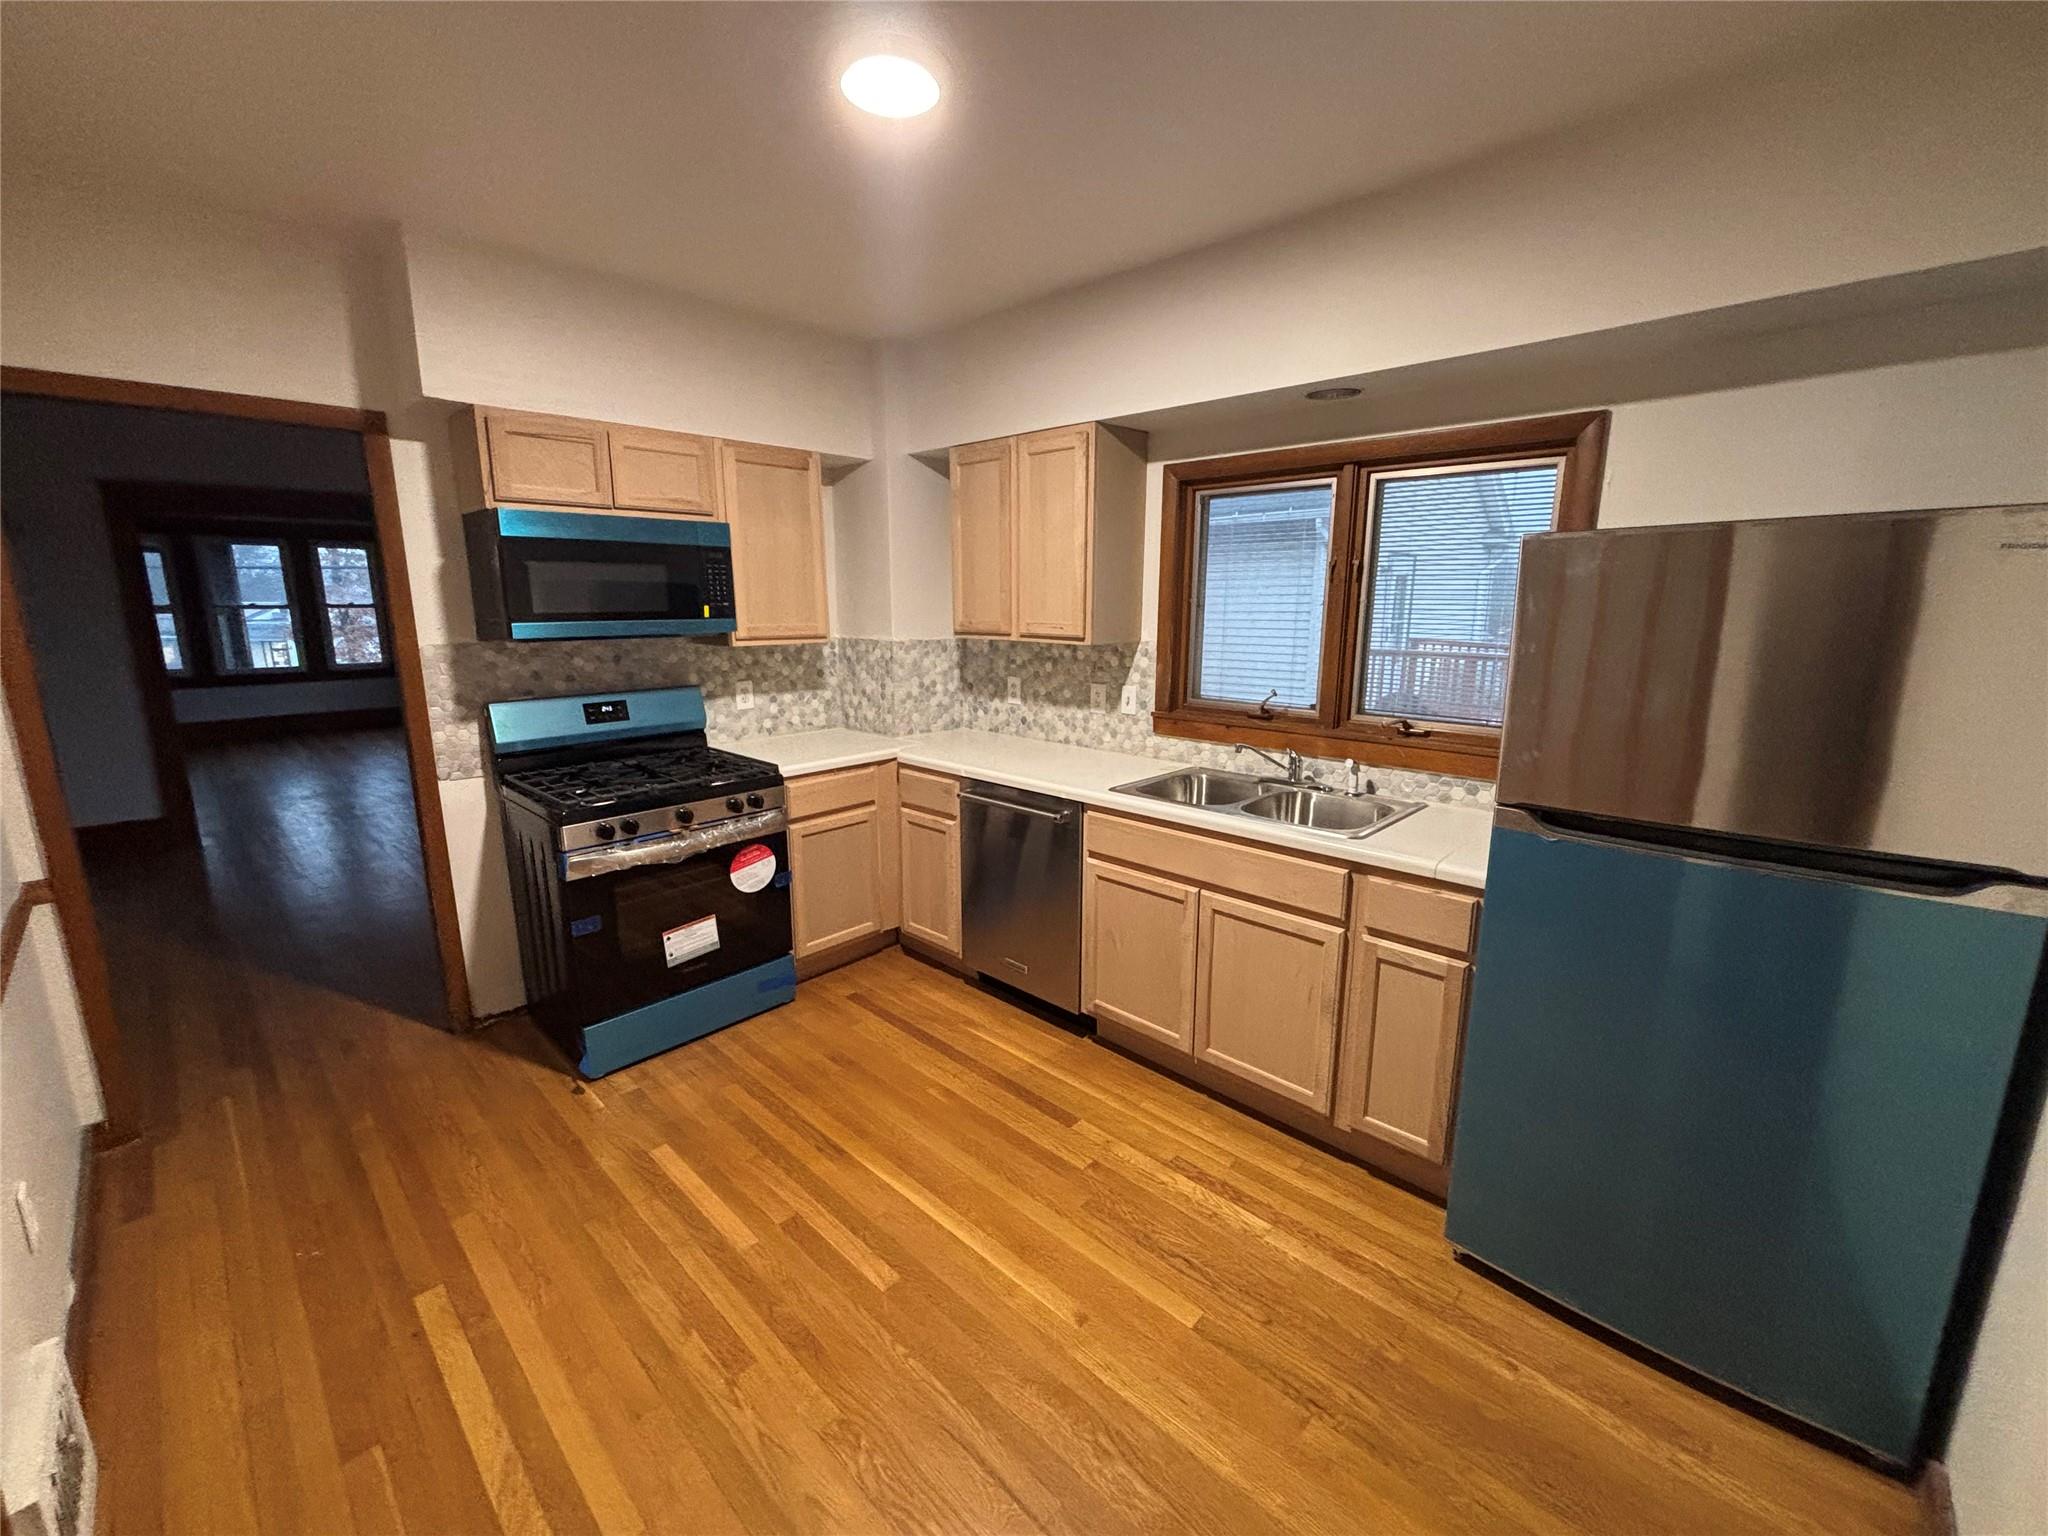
[
  {"x": 933, "y": 792},
  {"x": 814, "y": 794},
  {"x": 1282, "y": 878},
  {"x": 1419, "y": 913}
]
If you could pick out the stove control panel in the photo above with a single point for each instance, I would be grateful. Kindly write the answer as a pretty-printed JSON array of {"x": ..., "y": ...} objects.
[{"x": 663, "y": 822}]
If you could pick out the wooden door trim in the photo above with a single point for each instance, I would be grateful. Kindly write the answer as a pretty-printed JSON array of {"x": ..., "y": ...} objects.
[
  {"x": 62, "y": 866},
  {"x": 419, "y": 730},
  {"x": 175, "y": 397}
]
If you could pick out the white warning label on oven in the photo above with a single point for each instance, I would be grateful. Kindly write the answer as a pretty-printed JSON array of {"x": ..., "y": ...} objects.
[
  {"x": 753, "y": 867},
  {"x": 690, "y": 940}
]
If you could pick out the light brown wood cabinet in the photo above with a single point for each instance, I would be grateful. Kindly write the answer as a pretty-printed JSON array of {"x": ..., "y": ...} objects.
[
  {"x": 843, "y": 843},
  {"x": 547, "y": 459},
  {"x": 664, "y": 471},
  {"x": 1268, "y": 988},
  {"x": 1138, "y": 952},
  {"x": 1404, "y": 1023},
  {"x": 931, "y": 878},
  {"x": 773, "y": 498},
  {"x": 1048, "y": 535},
  {"x": 984, "y": 477},
  {"x": 774, "y": 501}
]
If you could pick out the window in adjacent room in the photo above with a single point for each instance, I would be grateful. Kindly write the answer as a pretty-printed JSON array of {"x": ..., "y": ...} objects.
[
  {"x": 251, "y": 621},
  {"x": 348, "y": 599},
  {"x": 170, "y": 636},
  {"x": 1358, "y": 599}
]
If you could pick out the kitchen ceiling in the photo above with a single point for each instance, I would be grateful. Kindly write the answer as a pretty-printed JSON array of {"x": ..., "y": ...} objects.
[{"x": 707, "y": 148}]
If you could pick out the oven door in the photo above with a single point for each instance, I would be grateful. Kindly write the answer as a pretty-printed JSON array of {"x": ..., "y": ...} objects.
[
  {"x": 595, "y": 575},
  {"x": 650, "y": 931}
]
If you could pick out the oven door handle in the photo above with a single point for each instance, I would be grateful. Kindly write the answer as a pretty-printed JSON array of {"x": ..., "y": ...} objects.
[{"x": 674, "y": 848}]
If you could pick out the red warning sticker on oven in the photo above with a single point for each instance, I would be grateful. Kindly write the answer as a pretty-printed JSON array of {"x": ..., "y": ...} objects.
[{"x": 753, "y": 867}]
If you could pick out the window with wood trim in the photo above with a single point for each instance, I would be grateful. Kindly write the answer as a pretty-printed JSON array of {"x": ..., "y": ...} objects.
[{"x": 1357, "y": 599}]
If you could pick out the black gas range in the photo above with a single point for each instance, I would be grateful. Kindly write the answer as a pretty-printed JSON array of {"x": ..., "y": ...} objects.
[{"x": 650, "y": 872}]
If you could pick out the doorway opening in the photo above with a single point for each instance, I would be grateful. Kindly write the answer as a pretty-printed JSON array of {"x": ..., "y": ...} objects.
[{"x": 210, "y": 628}]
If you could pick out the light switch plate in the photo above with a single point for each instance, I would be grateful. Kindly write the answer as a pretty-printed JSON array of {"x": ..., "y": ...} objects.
[
  {"x": 1129, "y": 703},
  {"x": 1098, "y": 696},
  {"x": 1016, "y": 690},
  {"x": 743, "y": 694}
]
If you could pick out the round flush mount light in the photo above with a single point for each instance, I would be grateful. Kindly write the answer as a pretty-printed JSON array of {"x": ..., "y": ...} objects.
[
  {"x": 889, "y": 85},
  {"x": 1335, "y": 392}
]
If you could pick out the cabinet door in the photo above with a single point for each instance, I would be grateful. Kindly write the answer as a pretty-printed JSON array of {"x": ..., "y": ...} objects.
[
  {"x": 664, "y": 471},
  {"x": 1267, "y": 989},
  {"x": 774, "y": 500},
  {"x": 1138, "y": 952},
  {"x": 548, "y": 458},
  {"x": 1403, "y": 1025},
  {"x": 1053, "y": 474},
  {"x": 835, "y": 880},
  {"x": 984, "y": 502},
  {"x": 931, "y": 879}
]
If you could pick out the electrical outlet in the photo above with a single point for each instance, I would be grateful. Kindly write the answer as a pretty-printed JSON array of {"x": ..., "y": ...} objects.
[
  {"x": 1098, "y": 696},
  {"x": 1015, "y": 691},
  {"x": 1129, "y": 702},
  {"x": 31, "y": 1223},
  {"x": 743, "y": 694}
]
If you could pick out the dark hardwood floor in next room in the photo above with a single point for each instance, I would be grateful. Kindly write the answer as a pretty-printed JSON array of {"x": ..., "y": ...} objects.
[{"x": 897, "y": 1257}]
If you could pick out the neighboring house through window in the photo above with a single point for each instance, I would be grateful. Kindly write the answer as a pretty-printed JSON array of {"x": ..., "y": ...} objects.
[{"x": 1357, "y": 599}]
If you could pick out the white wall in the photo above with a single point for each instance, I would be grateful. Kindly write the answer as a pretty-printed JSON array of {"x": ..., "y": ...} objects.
[
  {"x": 261, "y": 701},
  {"x": 48, "y": 1096},
  {"x": 1998, "y": 1452},
  {"x": 1920, "y": 145},
  {"x": 503, "y": 329}
]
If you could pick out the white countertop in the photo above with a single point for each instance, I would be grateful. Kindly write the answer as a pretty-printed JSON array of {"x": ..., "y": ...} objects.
[{"x": 1443, "y": 842}]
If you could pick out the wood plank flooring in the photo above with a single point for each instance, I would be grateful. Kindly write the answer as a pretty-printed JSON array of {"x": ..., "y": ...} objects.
[{"x": 898, "y": 1257}]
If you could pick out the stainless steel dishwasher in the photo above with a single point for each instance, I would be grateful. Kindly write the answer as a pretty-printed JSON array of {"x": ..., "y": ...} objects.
[{"x": 1020, "y": 890}]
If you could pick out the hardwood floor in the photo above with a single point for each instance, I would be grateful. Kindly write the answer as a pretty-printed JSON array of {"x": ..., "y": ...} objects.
[{"x": 896, "y": 1257}]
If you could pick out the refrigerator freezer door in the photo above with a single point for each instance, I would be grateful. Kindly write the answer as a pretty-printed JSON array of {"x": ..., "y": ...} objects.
[
  {"x": 1740, "y": 1117},
  {"x": 1876, "y": 683}
]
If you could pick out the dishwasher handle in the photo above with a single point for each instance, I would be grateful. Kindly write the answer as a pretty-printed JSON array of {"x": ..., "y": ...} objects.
[{"x": 1023, "y": 810}]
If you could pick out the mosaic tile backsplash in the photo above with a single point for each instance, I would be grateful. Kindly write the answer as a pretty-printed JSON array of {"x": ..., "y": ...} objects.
[{"x": 897, "y": 687}]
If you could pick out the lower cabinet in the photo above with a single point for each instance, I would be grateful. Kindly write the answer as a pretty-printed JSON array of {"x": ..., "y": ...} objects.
[
  {"x": 1138, "y": 952},
  {"x": 836, "y": 893},
  {"x": 1405, "y": 1020},
  {"x": 1268, "y": 988},
  {"x": 931, "y": 878}
]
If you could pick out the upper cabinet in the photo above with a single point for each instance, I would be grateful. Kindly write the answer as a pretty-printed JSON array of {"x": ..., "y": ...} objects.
[
  {"x": 545, "y": 458},
  {"x": 664, "y": 471},
  {"x": 1048, "y": 535},
  {"x": 774, "y": 500},
  {"x": 984, "y": 511}
]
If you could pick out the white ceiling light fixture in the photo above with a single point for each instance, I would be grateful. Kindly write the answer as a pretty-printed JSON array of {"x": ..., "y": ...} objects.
[{"x": 889, "y": 85}]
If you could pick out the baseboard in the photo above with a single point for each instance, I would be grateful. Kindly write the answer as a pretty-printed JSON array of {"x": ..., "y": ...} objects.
[
  {"x": 933, "y": 956},
  {"x": 210, "y": 733},
  {"x": 843, "y": 954},
  {"x": 1937, "y": 1502}
]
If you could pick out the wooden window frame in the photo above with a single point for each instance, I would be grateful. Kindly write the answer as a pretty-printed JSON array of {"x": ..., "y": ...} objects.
[{"x": 1578, "y": 438}]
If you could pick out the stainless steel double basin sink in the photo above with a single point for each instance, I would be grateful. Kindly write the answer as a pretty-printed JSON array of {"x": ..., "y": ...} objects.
[{"x": 1294, "y": 805}]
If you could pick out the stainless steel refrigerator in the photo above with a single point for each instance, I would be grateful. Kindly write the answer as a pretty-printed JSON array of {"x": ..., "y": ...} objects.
[{"x": 1756, "y": 1018}]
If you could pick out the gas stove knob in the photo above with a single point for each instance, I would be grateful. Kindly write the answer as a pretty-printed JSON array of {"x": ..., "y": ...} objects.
[
  {"x": 605, "y": 831},
  {"x": 734, "y": 803},
  {"x": 628, "y": 827},
  {"x": 755, "y": 802},
  {"x": 684, "y": 815}
]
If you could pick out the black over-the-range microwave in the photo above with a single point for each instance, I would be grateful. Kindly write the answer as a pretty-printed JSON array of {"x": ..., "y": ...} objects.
[{"x": 538, "y": 575}]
